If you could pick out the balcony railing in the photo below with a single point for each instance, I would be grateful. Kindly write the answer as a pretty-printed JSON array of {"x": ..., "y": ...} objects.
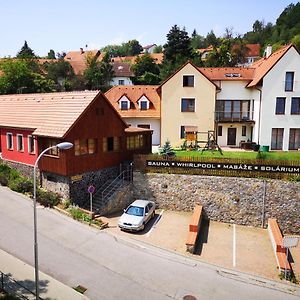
[{"x": 234, "y": 116}]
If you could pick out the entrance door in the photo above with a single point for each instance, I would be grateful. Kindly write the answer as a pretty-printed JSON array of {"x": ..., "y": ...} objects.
[{"x": 231, "y": 136}]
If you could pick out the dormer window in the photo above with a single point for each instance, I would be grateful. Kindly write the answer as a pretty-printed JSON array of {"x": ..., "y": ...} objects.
[
  {"x": 143, "y": 103},
  {"x": 188, "y": 80},
  {"x": 124, "y": 103}
]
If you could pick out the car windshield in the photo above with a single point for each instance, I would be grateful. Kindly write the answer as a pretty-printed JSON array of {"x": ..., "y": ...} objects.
[{"x": 135, "y": 211}]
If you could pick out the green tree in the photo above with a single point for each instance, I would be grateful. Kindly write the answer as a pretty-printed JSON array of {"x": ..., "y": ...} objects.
[
  {"x": 158, "y": 49},
  {"x": 60, "y": 72},
  {"x": 51, "y": 54},
  {"x": 197, "y": 41},
  {"x": 167, "y": 150},
  {"x": 211, "y": 39},
  {"x": 133, "y": 48},
  {"x": 178, "y": 45},
  {"x": 22, "y": 76},
  {"x": 145, "y": 70},
  {"x": 98, "y": 74},
  {"x": 26, "y": 52},
  {"x": 296, "y": 41}
]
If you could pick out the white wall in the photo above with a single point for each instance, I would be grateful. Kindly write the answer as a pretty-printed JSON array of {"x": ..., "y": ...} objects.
[
  {"x": 222, "y": 140},
  {"x": 236, "y": 90},
  {"x": 154, "y": 125},
  {"x": 273, "y": 86},
  {"x": 115, "y": 81}
]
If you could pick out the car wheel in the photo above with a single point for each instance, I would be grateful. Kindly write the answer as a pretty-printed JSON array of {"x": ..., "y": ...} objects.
[{"x": 143, "y": 227}]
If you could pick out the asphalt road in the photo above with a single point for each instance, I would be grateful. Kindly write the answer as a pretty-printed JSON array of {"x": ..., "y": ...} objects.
[{"x": 115, "y": 268}]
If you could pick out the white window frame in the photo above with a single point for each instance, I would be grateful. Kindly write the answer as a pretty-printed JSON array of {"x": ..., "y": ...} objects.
[
  {"x": 187, "y": 85},
  {"x": 145, "y": 99},
  {"x": 18, "y": 144},
  {"x": 12, "y": 141},
  {"x": 29, "y": 137}
]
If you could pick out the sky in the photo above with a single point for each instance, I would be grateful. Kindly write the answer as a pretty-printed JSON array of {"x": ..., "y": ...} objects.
[{"x": 67, "y": 25}]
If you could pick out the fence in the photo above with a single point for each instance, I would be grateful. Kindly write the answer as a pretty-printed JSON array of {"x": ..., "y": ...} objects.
[
  {"x": 12, "y": 287},
  {"x": 218, "y": 166}
]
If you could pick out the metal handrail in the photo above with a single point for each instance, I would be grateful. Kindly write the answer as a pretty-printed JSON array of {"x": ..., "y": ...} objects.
[
  {"x": 4, "y": 285},
  {"x": 234, "y": 115},
  {"x": 113, "y": 183}
]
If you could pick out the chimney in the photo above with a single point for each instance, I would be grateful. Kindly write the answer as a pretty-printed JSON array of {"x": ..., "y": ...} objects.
[
  {"x": 81, "y": 51},
  {"x": 268, "y": 51}
]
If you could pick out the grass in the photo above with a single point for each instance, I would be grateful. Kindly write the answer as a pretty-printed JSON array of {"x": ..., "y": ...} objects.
[{"x": 290, "y": 156}]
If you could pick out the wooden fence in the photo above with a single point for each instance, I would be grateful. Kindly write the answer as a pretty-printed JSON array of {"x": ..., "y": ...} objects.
[{"x": 257, "y": 168}]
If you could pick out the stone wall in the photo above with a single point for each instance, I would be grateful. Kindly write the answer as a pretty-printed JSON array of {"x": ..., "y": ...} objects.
[
  {"x": 56, "y": 183},
  {"x": 78, "y": 189},
  {"x": 225, "y": 198},
  {"x": 25, "y": 170}
]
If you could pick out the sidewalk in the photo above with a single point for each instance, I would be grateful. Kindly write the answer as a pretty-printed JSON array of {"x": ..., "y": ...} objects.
[{"x": 24, "y": 275}]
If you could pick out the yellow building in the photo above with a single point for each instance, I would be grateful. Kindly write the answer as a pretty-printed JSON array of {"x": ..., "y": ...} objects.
[{"x": 187, "y": 101}]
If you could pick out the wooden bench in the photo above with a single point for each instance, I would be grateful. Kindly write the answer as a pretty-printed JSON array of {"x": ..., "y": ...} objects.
[
  {"x": 280, "y": 252},
  {"x": 194, "y": 228}
]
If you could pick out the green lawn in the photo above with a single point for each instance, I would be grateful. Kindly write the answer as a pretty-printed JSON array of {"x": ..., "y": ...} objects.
[{"x": 241, "y": 154}]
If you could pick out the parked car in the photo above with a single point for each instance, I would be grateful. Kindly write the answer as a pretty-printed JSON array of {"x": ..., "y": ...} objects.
[{"x": 136, "y": 215}]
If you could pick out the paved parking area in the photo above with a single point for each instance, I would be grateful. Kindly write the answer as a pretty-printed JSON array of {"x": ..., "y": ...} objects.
[{"x": 242, "y": 248}]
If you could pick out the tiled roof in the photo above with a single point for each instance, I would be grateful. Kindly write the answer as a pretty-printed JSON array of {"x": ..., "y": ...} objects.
[
  {"x": 134, "y": 93},
  {"x": 50, "y": 114},
  {"x": 122, "y": 69},
  {"x": 253, "y": 49},
  {"x": 228, "y": 73},
  {"x": 158, "y": 58},
  {"x": 264, "y": 65},
  {"x": 77, "y": 59}
]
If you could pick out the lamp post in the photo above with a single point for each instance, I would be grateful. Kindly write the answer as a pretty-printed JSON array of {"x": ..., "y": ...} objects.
[{"x": 62, "y": 146}]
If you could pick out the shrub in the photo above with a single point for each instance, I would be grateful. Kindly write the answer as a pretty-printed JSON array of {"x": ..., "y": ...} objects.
[
  {"x": 66, "y": 203},
  {"x": 21, "y": 185},
  {"x": 167, "y": 150},
  {"x": 76, "y": 213},
  {"x": 46, "y": 198},
  {"x": 3, "y": 180}
]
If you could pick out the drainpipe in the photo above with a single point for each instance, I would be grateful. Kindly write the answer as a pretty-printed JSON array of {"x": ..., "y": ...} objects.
[
  {"x": 259, "y": 115},
  {"x": 216, "y": 122}
]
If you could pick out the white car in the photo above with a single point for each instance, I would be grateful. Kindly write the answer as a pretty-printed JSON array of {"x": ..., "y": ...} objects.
[{"x": 136, "y": 215}]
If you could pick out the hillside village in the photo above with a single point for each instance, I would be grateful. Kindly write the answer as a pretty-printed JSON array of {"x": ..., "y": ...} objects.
[{"x": 122, "y": 106}]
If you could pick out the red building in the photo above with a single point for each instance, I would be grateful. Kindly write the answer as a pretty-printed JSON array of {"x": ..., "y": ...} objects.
[{"x": 30, "y": 123}]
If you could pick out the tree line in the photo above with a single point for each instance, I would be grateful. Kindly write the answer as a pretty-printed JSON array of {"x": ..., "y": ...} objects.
[{"x": 26, "y": 74}]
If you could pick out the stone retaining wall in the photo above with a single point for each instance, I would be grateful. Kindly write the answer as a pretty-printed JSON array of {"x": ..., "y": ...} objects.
[{"x": 225, "y": 199}]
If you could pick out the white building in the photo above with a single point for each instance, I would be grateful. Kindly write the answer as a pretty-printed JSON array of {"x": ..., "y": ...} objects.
[
  {"x": 122, "y": 74},
  {"x": 139, "y": 106}
]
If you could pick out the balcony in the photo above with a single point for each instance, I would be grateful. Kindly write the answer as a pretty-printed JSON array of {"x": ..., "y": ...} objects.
[{"x": 234, "y": 116}]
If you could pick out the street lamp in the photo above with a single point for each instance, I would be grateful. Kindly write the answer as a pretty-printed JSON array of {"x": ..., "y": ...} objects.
[{"x": 62, "y": 146}]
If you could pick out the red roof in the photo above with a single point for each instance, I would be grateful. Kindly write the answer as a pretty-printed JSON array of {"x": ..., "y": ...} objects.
[
  {"x": 228, "y": 73},
  {"x": 122, "y": 69},
  {"x": 133, "y": 94}
]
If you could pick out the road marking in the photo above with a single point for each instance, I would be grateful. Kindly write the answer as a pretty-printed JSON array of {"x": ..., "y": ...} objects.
[
  {"x": 234, "y": 246},
  {"x": 154, "y": 224}
]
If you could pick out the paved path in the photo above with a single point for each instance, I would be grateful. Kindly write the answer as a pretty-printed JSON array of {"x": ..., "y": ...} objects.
[{"x": 117, "y": 268}]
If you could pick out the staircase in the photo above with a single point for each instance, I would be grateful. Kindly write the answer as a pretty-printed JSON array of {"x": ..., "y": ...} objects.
[{"x": 106, "y": 192}]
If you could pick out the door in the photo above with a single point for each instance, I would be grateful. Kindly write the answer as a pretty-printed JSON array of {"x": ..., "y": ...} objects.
[{"x": 231, "y": 136}]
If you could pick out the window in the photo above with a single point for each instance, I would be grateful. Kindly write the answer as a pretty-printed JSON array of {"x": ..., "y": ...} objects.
[
  {"x": 244, "y": 130},
  {"x": 50, "y": 143},
  {"x": 295, "y": 107},
  {"x": 20, "y": 142},
  {"x": 187, "y": 105},
  {"x": 143, "y": 104},
  {"x": 121, "y": 82},
  {"x": 220, "y": 129},
  {"x": 124, "y": 105},
  {"x": 294, "y": 140},
  {"x": 280, "y": 106},
  {"x": 188, "y": 80},
  {"x": 9, "y": 141},
  {"x": 277, "y": 138},
  {"x": 135, "y": 142},
  {"x": 182, "y": 132},
  {"x": 289, "y": 81},
  {"x": 31, "y": 144},
  {"x": 233, "y": 110},
  {"x": 146, "y": 126},
  {"x": 111, "y": 144}
]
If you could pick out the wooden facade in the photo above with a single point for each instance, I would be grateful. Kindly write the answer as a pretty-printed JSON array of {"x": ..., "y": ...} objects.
[{"x": 99, "y": 140}]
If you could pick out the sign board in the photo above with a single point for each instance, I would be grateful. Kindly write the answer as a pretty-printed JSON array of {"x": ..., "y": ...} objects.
[
  {"x": 91, "y": 189},
  {"x": 290, "y": 241},
  {"x": 76, "y": 178},
  {"x": 222, "y": 166}
]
